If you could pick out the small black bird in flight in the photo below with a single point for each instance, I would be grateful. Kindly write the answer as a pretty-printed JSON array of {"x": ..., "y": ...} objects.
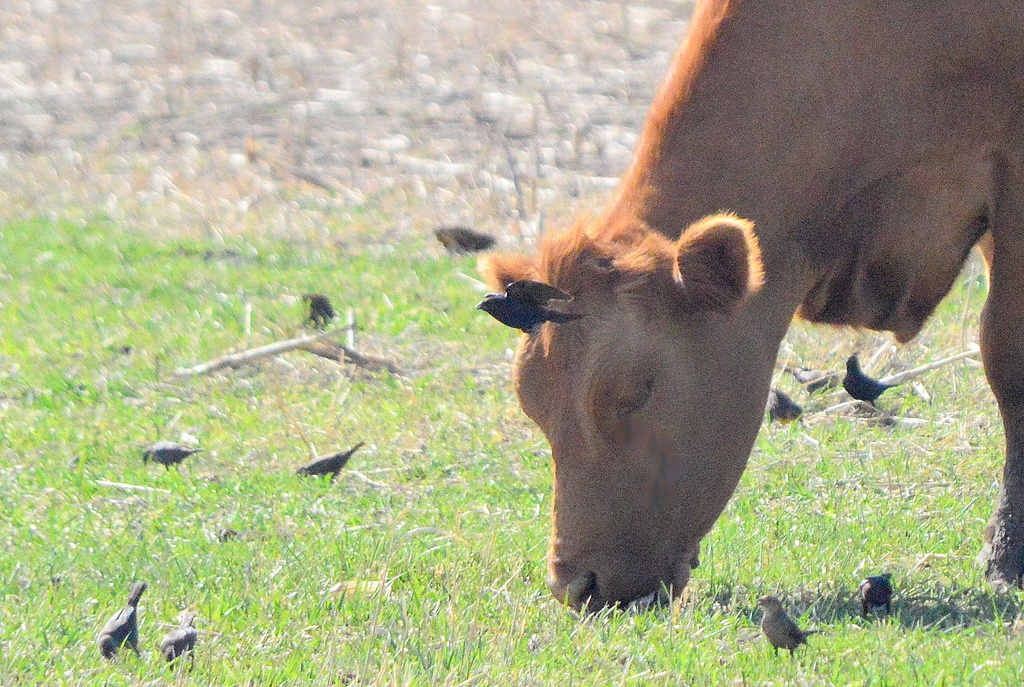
[
  {"x": 328, "y": 465},
  {"x": 782, "y": 407},
  {"x": 168, "y": 453},
  {"x": 876, "y": 591},
  {"x": 180, "y": 641},
  {"x": 859, "y": 385},
  {"x": 320, "y": 310},
  {"x": 524, "y": 305},
  {"x": 458, "y": 240},
  {"x": 813, "y": 380},
  {"x": 123, "y": 627}
]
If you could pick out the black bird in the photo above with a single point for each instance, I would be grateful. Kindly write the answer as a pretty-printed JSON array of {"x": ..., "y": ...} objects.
[
  {"x": 123, "y": 627},
  {"x": 320, "y": 310},
  {"x": 524, "y": 305},
  {"x": 859, "y": 385},
  {"x": 328, "y": 465},
  {"x": 180, "y": 641},
  {"x": 458, "y": 240},
  {"x": 876, "y": 591},
  {"x": 813, "y": 380},
  {"x": 782, "y": 407},
  {"x": 168, "y": 453},
  {"x": 227, "y": 534}
]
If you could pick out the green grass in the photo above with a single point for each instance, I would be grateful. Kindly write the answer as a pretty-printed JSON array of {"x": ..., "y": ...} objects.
[{"x": 453, "y": 513}]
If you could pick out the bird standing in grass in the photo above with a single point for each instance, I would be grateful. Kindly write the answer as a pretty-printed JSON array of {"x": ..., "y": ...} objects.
[
  {"x": 180, "y": 641},
  {"x": 859, "y": 385},
  {"x": 320, "y": 310},
  {"x": 523, "y": 306},
  {"x": 328, "y": 465},
  {"x": 782, "y": 407},
  {"x": 813, "y": 380},
  {"x": 876, "y": 591},
  {"x": 168, "y": 453},
  {"x": 782, "y": 633},
  {"x": 123, "y": 627}
]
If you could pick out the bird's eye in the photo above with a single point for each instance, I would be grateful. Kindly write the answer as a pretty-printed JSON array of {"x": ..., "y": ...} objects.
[{"x": 633, "y": 404}]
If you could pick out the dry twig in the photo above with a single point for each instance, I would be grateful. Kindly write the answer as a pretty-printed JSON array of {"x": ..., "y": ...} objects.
[
  {"x": 901, "y": 377},
  {"x": 332, "y": 350},
  {"x": 312, "y": 343},
  {"x": 128, "y": 487}
]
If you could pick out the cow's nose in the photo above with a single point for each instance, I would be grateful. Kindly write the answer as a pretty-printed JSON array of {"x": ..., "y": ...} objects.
[
  {"x": 586, "y": 590},
  {"x": 579, "y": 592}
]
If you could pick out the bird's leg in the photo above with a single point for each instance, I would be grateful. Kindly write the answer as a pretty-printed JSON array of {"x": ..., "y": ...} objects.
[{"x": 1002, "y": 350}]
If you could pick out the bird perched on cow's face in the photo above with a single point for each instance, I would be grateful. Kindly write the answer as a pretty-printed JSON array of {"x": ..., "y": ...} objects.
[
  {"x": 781, "y": 407},
  {"x": 813, "y": 380},
  {"x": 123, "y": 627},
  {"x": 524, "y": 305},
  {"x": 859, "y": 385},
  {"x": 876, "y": 591},
  {"x": 782, "y": 633},
  {"x": 458, "y": 239},
  {"x": 328, "y": 465},
  {"x": 180, "y": 641},
  {"x": 320, "y": 310},
  {"x": 168, "y": 453}
]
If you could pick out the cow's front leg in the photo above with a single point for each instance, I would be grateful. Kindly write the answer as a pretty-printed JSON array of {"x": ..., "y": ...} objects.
[{"x": 1002, "y": 346}]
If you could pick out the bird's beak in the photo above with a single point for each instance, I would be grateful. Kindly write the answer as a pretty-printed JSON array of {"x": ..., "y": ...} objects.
[{"x": 487, "y": 299}]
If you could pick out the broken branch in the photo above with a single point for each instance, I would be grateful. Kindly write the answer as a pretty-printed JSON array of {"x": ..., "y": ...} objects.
[
  {"x": 128, "y": 487},
  {"x": 236, "y": 359},
  {"x": 901, "y": 377},
  {"x": 339, "y": 353}
]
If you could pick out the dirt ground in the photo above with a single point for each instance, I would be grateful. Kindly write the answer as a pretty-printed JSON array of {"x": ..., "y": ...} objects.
[{"x": 205, "y": 116}]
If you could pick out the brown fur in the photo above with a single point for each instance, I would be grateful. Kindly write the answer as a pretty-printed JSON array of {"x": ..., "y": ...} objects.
[{"x": 866, "y": 147}]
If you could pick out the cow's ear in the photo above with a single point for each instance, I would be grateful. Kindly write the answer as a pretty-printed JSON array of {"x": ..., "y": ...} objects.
[
  {"x": 500, "y": 270},
  {"x": 718, "y": 262}
]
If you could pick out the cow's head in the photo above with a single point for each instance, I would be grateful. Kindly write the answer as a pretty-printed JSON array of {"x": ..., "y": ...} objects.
[{"x": 650, "y": 402}]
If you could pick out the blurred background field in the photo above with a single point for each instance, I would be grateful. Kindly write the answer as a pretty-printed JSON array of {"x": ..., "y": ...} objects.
[
  {"x": 176, "y": 175},
  {"x": 222, "y": 117}
]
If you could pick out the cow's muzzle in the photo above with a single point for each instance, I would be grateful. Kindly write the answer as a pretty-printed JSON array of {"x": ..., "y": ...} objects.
[{"x": 586, "y": 592}]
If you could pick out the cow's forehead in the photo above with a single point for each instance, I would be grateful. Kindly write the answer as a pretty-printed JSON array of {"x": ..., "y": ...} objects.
[{"x": 580, "y": 264}]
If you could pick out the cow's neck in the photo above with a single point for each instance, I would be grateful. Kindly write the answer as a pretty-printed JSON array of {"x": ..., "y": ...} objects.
[{"x": 718, "y": 139}]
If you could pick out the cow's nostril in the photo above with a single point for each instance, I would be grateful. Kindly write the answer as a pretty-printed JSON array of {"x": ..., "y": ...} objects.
[{"x": 582, "y": 591}]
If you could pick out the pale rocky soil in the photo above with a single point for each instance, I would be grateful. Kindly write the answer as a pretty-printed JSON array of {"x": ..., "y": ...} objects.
[{"x": 224, "y": 117}]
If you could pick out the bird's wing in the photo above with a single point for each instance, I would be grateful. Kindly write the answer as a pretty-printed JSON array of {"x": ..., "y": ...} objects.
[
  {"x": 118, "y": 623},
  {"x": 792, "y": 629},
  {"x": 535, "y": 292}
]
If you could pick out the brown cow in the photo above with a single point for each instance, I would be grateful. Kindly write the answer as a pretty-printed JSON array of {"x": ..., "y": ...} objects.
[{"x": 867, "y": 145}]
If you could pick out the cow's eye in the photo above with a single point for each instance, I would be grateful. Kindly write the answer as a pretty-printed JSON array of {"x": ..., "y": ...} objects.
[{"x": 633, "y": 404}]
